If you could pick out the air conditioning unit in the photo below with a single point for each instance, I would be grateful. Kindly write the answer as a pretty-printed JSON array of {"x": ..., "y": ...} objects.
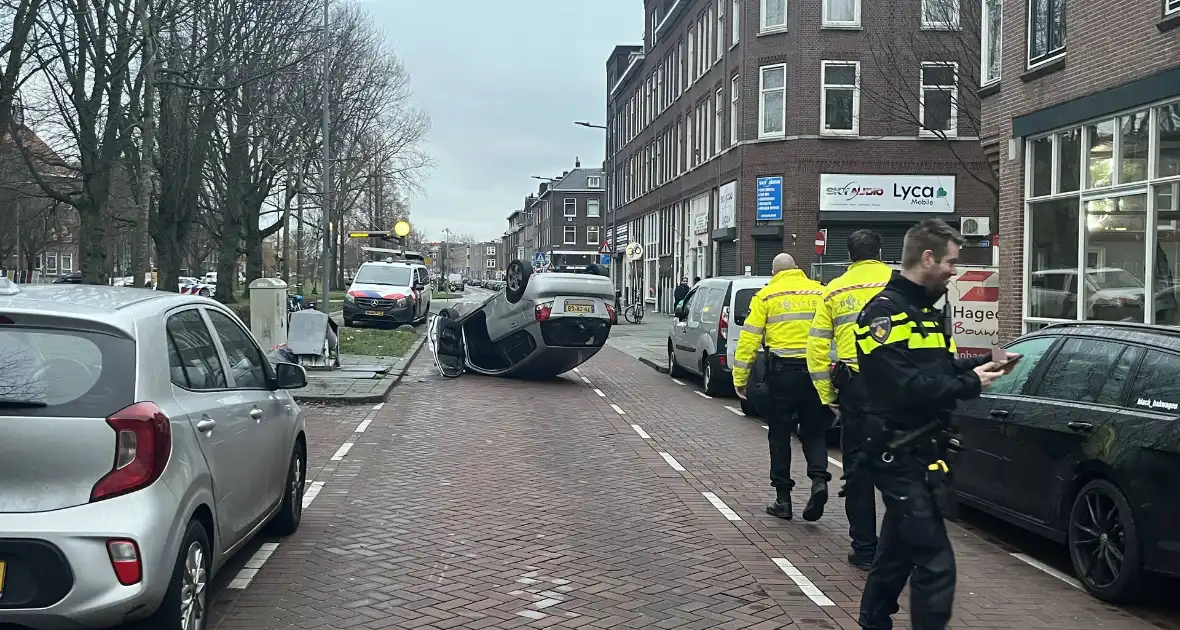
[{"x": 976, "y": 226}]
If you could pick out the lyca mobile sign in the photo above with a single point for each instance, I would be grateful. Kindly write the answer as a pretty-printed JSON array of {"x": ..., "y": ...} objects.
[{"x": 887, "y": 193}]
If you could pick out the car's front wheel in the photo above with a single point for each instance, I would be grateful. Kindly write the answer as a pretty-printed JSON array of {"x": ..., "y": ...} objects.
[
  {"x": 186, "y": 604},
  {"x": 1104, "y": 543},
  {"x": 286, "y": 522}
]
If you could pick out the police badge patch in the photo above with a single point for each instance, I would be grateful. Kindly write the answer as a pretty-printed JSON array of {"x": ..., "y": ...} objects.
[{"x": 879, "y": 328}]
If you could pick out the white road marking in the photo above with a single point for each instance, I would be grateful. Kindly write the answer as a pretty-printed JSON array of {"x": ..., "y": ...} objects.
[
  {"x": 532, "y": 614},
  {"x": 599, "y": 392},
  {"x": 765, "y": 427},
  {"x": 643, "y": 434},
  {"x": 836, "y": 462},
  {"x": 1047, "y": 569},
  {"x": 672, "y": 462},
  {"x": 360, "y": 428},
  {"x": 736, "y": 410},
  {"x": 378, "y": 406},
  {"x": 586, "y": 380},
  {"x": 577, "y": 370},
  {"x": 810, "y": 590},
  {"x": 702, "y": 394},
  {"x": 246, "y": 575},
  {"x": 618, "y": 409},
  {"x": 312, "y": 492},
  {"x": 677, "y": 381},
  {"x": 721, "y": 506},
  {"x": 342, "y": 451}
]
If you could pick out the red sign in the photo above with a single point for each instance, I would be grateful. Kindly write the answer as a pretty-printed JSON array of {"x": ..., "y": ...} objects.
[
  {"x": 605, "y": 249},
  {"x": 821, "y": 242}
]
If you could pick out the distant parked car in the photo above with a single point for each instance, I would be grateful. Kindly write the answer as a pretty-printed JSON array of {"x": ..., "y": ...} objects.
[{"x": 144, "y": 438}]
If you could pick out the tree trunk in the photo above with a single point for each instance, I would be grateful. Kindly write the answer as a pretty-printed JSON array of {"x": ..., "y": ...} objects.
[
  {"x": 253, "y": 253},
  {"x": 92, "y": 246},
  {"x": 140, "y": 256},
  {"x": 227, "y": 268}
]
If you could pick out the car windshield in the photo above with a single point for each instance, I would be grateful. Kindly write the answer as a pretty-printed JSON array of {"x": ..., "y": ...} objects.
[
  {"x": 384, "y": 274},
  {"x": 64, "y": 373},
  {"x": 1115, "y": 279}
]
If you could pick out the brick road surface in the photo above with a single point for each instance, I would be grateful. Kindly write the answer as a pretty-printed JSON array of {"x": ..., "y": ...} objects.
[{"x": 490, "y": 503}]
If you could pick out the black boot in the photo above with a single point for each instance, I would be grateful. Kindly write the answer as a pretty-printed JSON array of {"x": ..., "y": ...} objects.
[
  {"x": 819, "y": 497},
  {"x": 864, "y": 563},
  {"x": 781, "y": 506}
]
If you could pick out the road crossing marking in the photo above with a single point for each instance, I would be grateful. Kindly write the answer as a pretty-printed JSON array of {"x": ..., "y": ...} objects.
[
  {"x": 672, "y": 462},
  {"x": 342, "y": 451},
  {"x": 618, "y": 409},
  {"x": 721, "y": 506},
  {"x": 809, "y": 589},
  {"x": 246, "y": 575},
  {"x": 643, "y": 434},
  {"x": 1037, "y": 564}
]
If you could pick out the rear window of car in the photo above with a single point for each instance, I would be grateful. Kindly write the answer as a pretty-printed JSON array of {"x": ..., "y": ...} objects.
[
  {"x": 741, "y": 302},
  {"x": 64, "y": 373}
]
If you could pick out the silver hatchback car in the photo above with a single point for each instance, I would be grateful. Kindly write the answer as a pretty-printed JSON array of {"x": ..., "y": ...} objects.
[{"x": 144, "y": 438}]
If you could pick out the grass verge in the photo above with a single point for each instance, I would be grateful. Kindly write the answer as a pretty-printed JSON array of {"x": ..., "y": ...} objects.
[
  {"x": 446, "y": 296},
  {"x": 375, "y": 342}
]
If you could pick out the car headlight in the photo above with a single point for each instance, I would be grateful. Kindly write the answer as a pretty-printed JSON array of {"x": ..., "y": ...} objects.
[
  {"x": 400, "y": 302},
  {"x": 349, "y": 299}
]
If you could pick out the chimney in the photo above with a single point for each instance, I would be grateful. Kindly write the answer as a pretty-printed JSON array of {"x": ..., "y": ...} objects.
[
  {"x": 542, "y": 188},
  {"x": 577, "y": 163},
  {"x": 565, "y": 173}
]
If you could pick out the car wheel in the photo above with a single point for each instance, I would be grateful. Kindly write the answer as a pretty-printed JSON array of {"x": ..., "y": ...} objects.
[
  {"x": 286, "y": 522},
  {"x": 448, "y": 313},
  {"x": 1104, "y": 543},
  {"x": 204, "y": 293},
  {"x": 712, "y": 387},
  {"x": 517, "y": 278},
  {"x": 186, "y": 604},
  {"x": 674, "y": 368},
  {"x": 348, "y": 322}
]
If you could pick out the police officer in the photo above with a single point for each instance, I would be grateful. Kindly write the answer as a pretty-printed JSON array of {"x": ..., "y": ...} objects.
[
  {"x": 834, "y": 325},
  {"x": 780, "y": 316},
  {"x": 912, "y": 380}
]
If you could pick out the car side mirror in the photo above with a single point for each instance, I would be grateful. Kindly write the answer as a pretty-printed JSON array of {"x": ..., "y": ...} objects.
[
  {"x": 681, "y": 311},
  {"x": 290, "y": 376}
]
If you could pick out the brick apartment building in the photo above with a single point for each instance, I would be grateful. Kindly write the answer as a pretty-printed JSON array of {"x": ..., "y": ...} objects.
[
  {"x": 562, "y": 225},
  {"x": 1081, "y": 107},
  {"x": 485, "y": 259},
  {"x": 741, "y": 127}
]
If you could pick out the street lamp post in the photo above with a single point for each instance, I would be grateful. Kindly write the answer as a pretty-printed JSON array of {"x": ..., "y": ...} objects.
[
  {"x": 606, "y": 197},
  {"x": 325, "y": 176}
]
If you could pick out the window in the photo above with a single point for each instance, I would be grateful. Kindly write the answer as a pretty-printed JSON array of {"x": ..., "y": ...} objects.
[
  {"x": 571, "y": 207},
  {"x": 734, "y": 91},
  {"x": 719, "y": 122},
  {"x": 1031, "y": 351},
  {"x": 594, "y": 181},
  {"x": 691, "y": 58},
  {"x": 841, "y": 13},
  {"x": 991, "y": 40},
  {"x": 51, "y": 263},
  {"x": 720, "y": 28},
  {"x": 490, "y": 263},
  {"x": 1172, "y": 6},
  {"x": 1157, "y": 383},
  {"x": 772, "y": 106},
  {"x": 246, "y": 363},
  {"x": 735, "y": 22},
  {"x": 592, "y": 207},
  {"x": 939, "y": 99},
  {"x": 198, "y": 365},
  {"x": 655, "y": 22},
  {"x": 943, "y": 14},
  {"x": 571, "y": 235},
  {"x": 1046, "y": 30},
  {"x": 840, "y": 98},
  {"x": 592, "y": 235},
  {"x": 1089, "y": 371},
  {"x": 67, "y": 263},
  {"x": 490, "y": 250},
  {"x": 774, "y": 15}
]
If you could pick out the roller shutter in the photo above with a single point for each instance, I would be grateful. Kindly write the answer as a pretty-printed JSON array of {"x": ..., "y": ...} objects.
[
  {"x": 727, "y": 262},
  {"x": 764, "y": 252},
  {"x": 892, "y": 237}
]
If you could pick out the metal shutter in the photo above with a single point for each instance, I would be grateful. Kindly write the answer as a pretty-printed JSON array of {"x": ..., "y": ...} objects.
[
  {"x": 727, "y": 262},
  {"x": 892, "y": 238},
  {"x": 764, "y": 252}
]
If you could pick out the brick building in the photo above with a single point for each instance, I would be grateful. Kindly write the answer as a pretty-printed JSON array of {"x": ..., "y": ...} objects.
[
  {"x": 485, "y": 260},
  {"x": 562, "y": 224},
  {"x": 1082, "y": 111},
  {"x": 741, "y": 127}
]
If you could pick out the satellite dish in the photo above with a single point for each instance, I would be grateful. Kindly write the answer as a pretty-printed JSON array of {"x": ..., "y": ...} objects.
[{"x": 634, "y": 251}]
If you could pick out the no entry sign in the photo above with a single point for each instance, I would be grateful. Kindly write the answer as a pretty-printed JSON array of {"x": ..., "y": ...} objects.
[{"x": 821, "y": 242}]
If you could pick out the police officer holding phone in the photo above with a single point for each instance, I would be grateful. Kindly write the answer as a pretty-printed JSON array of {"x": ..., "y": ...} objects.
[{"x": 913, "y": 381}]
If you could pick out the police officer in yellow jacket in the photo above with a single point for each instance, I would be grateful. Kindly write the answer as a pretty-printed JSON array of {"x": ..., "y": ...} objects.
[
  {"x": 838, "y": 383},
  {"x": 780, "y": 316}
]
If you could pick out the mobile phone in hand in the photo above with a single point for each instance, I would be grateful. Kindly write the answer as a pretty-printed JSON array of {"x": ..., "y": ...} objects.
[{"x": 1007, "y": 365}]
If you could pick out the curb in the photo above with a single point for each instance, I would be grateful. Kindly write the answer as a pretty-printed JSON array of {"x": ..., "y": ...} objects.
[
  {"x": 662, "y": 369},
  {"x": 372, "y": 398}
]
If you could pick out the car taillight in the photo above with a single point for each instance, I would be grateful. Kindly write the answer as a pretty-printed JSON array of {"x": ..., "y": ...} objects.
[
  {"x": 610, "y": 312},
  {"x": 125, "y": 561},
  {"x": 143, "y": 444},
  {"x": 723, "y": 327},
  {"x": 543, "y": 311}
]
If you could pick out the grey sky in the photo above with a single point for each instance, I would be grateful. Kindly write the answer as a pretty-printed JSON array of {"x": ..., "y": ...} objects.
[{"x": 503, "y": 82}]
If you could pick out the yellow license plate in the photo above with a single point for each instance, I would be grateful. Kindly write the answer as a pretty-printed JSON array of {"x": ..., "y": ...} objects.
[
  {"x": 578, "y": 308},
  {"x": 378, "y": 313},
  {"x": 3, "y": 567}
]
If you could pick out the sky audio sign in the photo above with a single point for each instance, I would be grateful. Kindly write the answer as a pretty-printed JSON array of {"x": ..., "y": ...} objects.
[{"x": 886, "y": 193}]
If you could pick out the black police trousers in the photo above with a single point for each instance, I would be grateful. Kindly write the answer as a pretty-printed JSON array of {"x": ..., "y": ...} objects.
[
  {"x": 914, "y": 546},
  {"x": 793, "y": 399},
  {"x": 860, "y": 498}
]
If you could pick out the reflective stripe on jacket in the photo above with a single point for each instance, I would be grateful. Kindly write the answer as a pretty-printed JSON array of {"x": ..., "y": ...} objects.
[
  {"x": 781, "y": 314},
  {"x": 835, "y": 321}
]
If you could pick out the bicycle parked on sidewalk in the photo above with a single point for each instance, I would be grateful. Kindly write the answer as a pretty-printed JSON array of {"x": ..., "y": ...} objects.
[{"x": 634, "y": 311}]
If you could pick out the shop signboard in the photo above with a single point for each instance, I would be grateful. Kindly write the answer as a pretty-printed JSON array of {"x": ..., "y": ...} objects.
[{"x": 886, "y": 193}]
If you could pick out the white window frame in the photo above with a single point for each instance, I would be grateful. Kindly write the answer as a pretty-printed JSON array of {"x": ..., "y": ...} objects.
[
  {"x": 735, "y": 23},
  {"x": 823, "y": 99},
  {"x": 1171, "y": 6},
  {"x": 985, "y": 34},
  {"x": 762, "y": 91},
  {"x": 720, "y": 28},
  {"x": 596, "y": 206},
  {"x": 1049, "y": 56},
  {"x": 594, "y": 181},
  {"x": 830, "y": 23},
  {"x": 570, "y": 207},
  {"x": 489, "y": 251},
  {"x": 489, "y": 263},
  {"x": 950, "y": 25},
  {"x": 735, "y": 88},
  {"x": 596, "y": 231},
  {"x": 66, "y": 262},
  {"x": 922, "y": 87},
  {"x": 655, "y": 23},
  {"x": 772, "y": 28},
  {"x": 692, "y": 66},
  {"x": 51, "y": 263},
  {"x": 566, "y": 235},
  {"x": 719, "y": 120}
]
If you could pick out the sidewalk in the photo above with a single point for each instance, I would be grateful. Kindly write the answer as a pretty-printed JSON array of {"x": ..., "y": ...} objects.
[{"x": 647, "y": 341}]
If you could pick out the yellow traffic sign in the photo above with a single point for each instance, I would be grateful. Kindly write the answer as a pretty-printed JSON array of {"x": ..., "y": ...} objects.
[{"x": 401, "y": 228}]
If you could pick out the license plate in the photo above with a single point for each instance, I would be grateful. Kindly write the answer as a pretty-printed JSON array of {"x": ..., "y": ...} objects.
[
  {"x": 579, "y": 307},
  {"x": 377, "y": 313},
  {"x": 3, "y": 567}
]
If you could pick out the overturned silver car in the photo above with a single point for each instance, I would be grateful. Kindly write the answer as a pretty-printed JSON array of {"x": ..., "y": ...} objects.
[{"x": 539, "y": 326}]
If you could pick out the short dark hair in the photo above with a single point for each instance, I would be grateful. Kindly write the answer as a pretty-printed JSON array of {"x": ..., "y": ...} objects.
[
  {"x": 864, "y": 245},
  {"x": 696, "y": 279},
  {"x": 931, "y": 234}
]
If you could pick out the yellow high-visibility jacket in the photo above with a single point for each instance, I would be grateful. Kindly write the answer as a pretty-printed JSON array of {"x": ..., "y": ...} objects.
[
  {"x": 835, "y": 321},
  {"x": 781, "y": 314}
]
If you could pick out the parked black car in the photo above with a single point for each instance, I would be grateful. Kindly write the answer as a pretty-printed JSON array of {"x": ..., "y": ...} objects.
[{"x": 1081, "y": 443}]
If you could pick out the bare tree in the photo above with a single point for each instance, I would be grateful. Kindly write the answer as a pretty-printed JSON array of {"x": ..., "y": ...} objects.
[{"x": 17, "y": 31}]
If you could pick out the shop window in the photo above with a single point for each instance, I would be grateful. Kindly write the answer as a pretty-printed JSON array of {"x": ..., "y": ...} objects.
[
  {"x": 1041, "y": 173},
  {"x": 1069, "y": 161},
  {"x": 1168, "y": 147},
  {"x": 1113, "y": 289},
  {"x": 1100, "y": 169},
  {"x": 1133, "y": 147},
  {"x": 1053, "y": 249}
]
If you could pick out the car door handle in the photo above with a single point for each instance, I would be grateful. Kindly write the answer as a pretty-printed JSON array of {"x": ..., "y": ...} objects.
[
  {"x": 256, "y": 413},
  {"x": 999, "y": 413},
  {"x": 206, "y": 425},
  {"x": 1080, "y": 427}
]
